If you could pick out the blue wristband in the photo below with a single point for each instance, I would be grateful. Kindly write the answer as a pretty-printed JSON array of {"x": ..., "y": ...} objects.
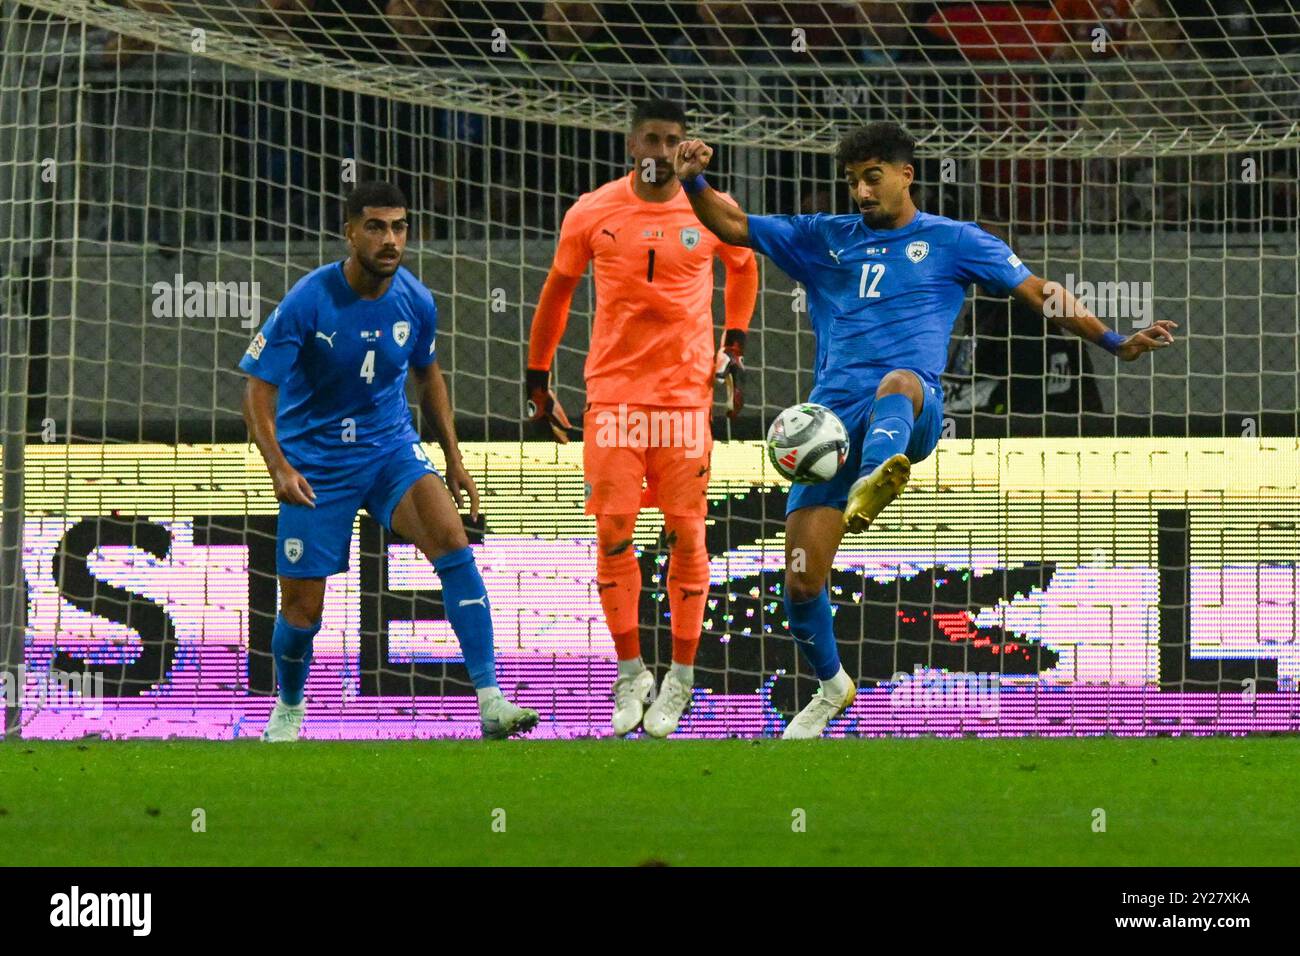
[
  {"x": 696, "y": 184},
  {"x": 1111, "y": 341}
]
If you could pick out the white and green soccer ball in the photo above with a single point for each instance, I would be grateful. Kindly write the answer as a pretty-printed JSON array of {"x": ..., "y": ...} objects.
[{"x": 807, "y": 443}]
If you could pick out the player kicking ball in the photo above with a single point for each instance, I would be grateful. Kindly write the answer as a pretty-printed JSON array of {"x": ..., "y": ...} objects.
[
  {"x": 884, "y": 289},
  {"x": 649, "y": 373},
  {"x": 325, "y": 403}
]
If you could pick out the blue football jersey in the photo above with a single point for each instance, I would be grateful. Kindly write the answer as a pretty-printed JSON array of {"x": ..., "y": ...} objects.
[
  {"x": 881, "y": 300},
  {"x": 340, "y": 363}
]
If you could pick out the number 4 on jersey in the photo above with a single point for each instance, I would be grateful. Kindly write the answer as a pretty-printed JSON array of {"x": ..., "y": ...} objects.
[{"x": 368, "y": 367}]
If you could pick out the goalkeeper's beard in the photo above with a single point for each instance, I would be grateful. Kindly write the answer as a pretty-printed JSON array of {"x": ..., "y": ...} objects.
[{"x": 664, "y": 175}]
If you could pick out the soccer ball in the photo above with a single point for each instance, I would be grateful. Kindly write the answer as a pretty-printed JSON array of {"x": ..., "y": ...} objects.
[{"x": 807, "y": 443}]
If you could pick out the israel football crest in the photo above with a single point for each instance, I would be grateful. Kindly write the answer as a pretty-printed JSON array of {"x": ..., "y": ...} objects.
[
  {"x": 690, "y": 237},
  {"x": 293, "y": 549},
  {"x": 916, "y": 251},
  {"x": 401, "y": 332}
]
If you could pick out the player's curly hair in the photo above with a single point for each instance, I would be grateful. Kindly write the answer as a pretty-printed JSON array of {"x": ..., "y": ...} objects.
[
  {"x": 373, "y": 193},
  {"x": 882, "y": 140}
]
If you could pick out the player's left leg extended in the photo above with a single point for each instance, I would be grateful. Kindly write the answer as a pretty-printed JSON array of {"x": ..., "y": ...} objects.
[
  {"x": 426, "y": 515},
  {"x": 885, "y": 467}
]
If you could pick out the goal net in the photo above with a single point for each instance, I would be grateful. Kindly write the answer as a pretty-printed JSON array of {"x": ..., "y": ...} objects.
[{"x": 1094, "y": 547}]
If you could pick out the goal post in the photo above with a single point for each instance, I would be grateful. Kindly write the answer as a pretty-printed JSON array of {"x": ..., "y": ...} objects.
[{"x": 1078, "y": 555}]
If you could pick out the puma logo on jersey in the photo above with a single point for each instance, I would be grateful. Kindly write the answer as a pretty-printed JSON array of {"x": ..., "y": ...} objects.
[
  {"x": 884, "y": 431},
  {"x": 610, "y": 234},
  {"x": 834, "y": 254},
  {"x": 328, "y": 338},
  {"x": 481, "y": 599}
]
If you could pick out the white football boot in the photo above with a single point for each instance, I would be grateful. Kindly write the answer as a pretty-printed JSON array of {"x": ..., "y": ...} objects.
[
  {"x": 821, "y": 710},
  {"x": 631, "y": 695},
  {"x": 285, "y": 723},
  {"x": 500, "y": 718},
  {"x": 662, "y": 717}
]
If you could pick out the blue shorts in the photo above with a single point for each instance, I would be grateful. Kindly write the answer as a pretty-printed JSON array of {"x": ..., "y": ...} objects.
[
  {"x": 856, "y": 415},
  {"x": 314, "y": 542}
]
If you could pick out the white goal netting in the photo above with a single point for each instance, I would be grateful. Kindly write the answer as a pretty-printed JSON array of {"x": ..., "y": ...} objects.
[{"x": 1096, "y": 547}]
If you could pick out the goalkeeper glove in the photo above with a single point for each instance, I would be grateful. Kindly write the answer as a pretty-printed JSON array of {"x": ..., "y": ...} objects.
[
  {"x": 729, "y": 367},
  {"x": 543, "y": 406}
]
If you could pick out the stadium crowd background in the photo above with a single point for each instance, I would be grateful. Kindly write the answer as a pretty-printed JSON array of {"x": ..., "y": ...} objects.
[
  {"x": 191, "y": 163},
  {"x": 299, "y": 134}
]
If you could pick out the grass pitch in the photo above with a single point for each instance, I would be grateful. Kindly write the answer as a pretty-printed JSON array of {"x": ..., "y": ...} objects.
[{"x": 1183, "y": 802}]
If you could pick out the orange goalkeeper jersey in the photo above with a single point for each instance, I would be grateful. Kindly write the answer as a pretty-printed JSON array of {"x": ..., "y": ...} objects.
[{"x": 652, "y": 335}]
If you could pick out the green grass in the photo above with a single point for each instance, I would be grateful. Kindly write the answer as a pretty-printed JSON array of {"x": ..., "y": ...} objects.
[{"x": 1209, "y": 801}]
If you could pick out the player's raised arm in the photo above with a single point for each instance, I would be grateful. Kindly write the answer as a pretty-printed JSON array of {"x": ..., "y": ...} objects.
[
  {"x": 435, "y": 403},
  {"x": 259, "y": 404},
  {"x": 725, "y": 220},
  {"x": 1053, "y": 301}
]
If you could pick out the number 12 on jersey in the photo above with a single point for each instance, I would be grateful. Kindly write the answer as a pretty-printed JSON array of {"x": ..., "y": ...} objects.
[{"x": 872, "y": 271}]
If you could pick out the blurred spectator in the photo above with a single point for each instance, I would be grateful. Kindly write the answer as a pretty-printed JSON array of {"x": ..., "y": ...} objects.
[
  {"x": 1003, "y": 32},
  {"x": 1016, "y": 189},
  {"x": 1065, "y": 29},
  {"x": 1232, "y": 29},
  {"x": 831, "y": 32},
  {"x": 428, "y": 31},
  {"x": 887, "y": 35},
  {"x": 727, "y": 35},
  {"x": 575, "y": 30},
  {"x": 1087, "y": 28},
  {"x": 1178, "y": 93},
  {"x": 104, "y": 49},
  {"x": 284, "y": 20},
  {"x": 364, "y": 30},
  {"x": 611, "y": 32}
]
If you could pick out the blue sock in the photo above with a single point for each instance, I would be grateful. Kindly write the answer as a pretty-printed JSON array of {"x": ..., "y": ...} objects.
[
  {"x": 291, "y": 648},
  {"x": 814, "y": 633},
  {"x": 889, "y": 432},
  {"x": 466, "y": 601}
]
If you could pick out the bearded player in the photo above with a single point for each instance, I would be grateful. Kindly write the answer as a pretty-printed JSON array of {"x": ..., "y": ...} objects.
[
  {"x": 884, "y": 288},
  {"x": 651, "y": 363},
  {"x": 325, "y": 403}
]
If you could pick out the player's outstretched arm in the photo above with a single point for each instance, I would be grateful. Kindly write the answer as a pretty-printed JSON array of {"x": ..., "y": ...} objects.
[
  {"x": 1053, "y": 301},
  {"x": 259, "y": 415},
  {"x": 724, "y": 220},
  {"x": 436, "y": 405}
]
